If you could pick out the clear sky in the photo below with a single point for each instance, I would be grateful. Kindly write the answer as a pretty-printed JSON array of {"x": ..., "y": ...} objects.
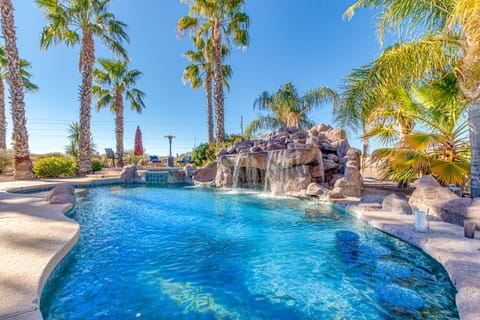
[{"x": 306, "y": 42}]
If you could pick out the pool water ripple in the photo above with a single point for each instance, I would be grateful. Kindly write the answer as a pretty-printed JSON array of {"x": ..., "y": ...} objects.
[{"x": 186, "y": 253}]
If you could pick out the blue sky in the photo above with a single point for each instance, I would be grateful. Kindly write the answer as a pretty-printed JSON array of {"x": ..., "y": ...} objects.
[{"x": 306, "y": 42}]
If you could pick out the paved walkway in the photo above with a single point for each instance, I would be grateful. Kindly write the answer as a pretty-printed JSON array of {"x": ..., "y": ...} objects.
[
  {"x": 35, "y": 236},
  {"x": 445, "y": 242}
]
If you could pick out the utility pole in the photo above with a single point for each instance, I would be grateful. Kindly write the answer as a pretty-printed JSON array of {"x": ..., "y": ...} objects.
[
  {"x": 241, "y": 126},
  {"x": 170, "y": 158}
]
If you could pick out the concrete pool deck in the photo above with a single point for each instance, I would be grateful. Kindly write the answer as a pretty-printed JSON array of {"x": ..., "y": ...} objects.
[{"x": 35, "y": 236}]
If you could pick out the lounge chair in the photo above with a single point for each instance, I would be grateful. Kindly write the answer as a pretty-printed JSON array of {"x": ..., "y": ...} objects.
[
  {"x": 154, "y": 160},
  {"x": 110, "y": 156}
]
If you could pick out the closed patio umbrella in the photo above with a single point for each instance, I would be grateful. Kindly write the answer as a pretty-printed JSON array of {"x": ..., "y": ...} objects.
[{"x": 138, "y": 148}]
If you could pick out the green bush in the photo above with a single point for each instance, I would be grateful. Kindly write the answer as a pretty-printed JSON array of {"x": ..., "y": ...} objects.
[
  {"x": 5, "y": 161},
  {"x": 54, "y": 167},
  {"x": 198, "y": 154},
  {"x": 96, "y": 165}
]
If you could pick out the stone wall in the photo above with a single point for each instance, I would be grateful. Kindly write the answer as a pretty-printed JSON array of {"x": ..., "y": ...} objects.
[{"x": 290, "y": 160}]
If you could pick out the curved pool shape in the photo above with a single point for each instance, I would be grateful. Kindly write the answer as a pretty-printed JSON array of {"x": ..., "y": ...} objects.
[{"x": 187, "y": 253}]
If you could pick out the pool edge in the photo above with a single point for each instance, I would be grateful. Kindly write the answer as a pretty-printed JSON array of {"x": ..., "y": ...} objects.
[{"x": 444, "y": 242}]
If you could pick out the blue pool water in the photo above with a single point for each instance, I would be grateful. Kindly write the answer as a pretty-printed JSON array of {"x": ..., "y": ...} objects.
[{"x": 186, "y": 253}]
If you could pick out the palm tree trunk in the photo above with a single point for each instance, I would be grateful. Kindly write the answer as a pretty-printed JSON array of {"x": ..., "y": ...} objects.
[
  {"x": 474, "y": 123},
  {"x": 119, "y": 126},
  {"x": 218, "y": 85},
  {"x": 365, "y": 147},
  {"x": 3, "y": 120},
  {"x": 87, "y": 59},
  {"x": 208, "y": 91},
  {"x": 22, "y": 161}
]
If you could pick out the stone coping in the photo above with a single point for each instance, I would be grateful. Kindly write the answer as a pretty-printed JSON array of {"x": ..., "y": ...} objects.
[
  {"x": 35, "y": 236},
  {"x": 443, "y": 241}
]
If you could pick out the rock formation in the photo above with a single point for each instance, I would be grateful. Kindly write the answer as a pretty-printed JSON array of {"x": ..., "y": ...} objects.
[
  {"x": 288, "y": 161},
  {"x": 62, "y": 194}
]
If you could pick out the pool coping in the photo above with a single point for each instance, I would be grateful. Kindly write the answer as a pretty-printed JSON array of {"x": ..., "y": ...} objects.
[{"x": 444, "y": 242}]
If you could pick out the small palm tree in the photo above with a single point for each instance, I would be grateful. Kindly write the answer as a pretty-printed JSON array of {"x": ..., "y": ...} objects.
[
  {"x": 22, "y": 161},
  {"x": 29, "y": 86},
  {"x": 226, "y": 23},
  {"x": 81, "y": 21},
  {"x": 440, "y": 147},
  {"x": 72, "y": 148},
  {"x": 287, "y": 108},
  {"x": 445, "y": 37},
  {"x": 114, "y": 81}
]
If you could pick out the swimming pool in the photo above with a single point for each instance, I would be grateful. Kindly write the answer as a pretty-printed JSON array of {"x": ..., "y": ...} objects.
[{"x": 189, "y": 253}]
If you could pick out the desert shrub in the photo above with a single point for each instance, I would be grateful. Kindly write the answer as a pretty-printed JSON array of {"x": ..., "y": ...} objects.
[
  {"x": 198, "y": 154},
  {"x": 96, "y": 165},
  {"x": 5, "y": 161},
  {"x": 54, "y": 167}
]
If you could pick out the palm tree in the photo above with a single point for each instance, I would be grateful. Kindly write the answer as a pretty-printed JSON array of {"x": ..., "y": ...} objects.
[
  {"x": 224, "y": 20},
  {"x": 72, "y": 148},
  {"x": 22, "y": 161},
  {"x": 80, "y": 21},
  {"x": 201, "y": 67},
  {"x": 114, "y": 80},
  {"x": 287, "y": 108},
  {"x": 439, "y": 147},
  {"x": 451, "y": 34},
  {"x": 29, "y": 86}
]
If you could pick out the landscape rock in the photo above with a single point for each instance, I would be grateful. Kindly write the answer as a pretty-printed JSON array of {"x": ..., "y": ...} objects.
[
  {"x": 189, "y": 170},
  {"x": 318, "y": 191},
  {"x": 372, "y": 198},
  {"x": 63, "y": 199},
  {"x": 429, "y": 194},
  {"x": 456, "y": 211},
  {"x": 396, "y": 205},
  {"x": 60, "y": 190},
  {"x": 337, "y": 193},
  {"x": 224, "y": 175},
  {"x": 129, "y": 174},
  {"x": 206, "y": 173}
]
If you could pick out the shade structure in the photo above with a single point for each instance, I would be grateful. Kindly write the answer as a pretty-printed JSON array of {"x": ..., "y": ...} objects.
[{"x": 138, "y": 148}]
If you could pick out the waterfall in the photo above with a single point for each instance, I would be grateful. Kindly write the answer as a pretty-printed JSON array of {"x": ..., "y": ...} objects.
[
  {"x": 267, "y": 171},
  {"x": 276, "y": 173},
  {"x": 236, "y": 172},
  {"x": 321, "y": 165}
]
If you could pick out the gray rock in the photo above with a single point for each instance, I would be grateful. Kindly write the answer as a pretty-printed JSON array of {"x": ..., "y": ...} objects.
[
  {"x": 396, "y": 205},
  {"x": 63, "y": 199},
  {"x": 223, "y": 177},
  {"x": 337, "y": 193},
  {"x": 456, "y": 211},
  {"x": 189, "y": 170},
  {"x": 207, "y": 173},
  {"x": 372, "y": 198},
  {"x": 318, "y": 191},
  {"x": 59, "y": 190},
  {"x": 429, "y": 194},
  {"x": 129, "y": 174}
]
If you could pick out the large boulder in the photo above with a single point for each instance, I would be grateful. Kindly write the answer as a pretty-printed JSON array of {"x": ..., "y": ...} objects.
[
  {"x": 129, "y": 174},
  {"x": 207, "y": 173},
  {"x": 62, "y": 194},
  {"x": 289, "y": 180},
  {"x": 60, "y": 190},
  {"x": 396, "y": 205},
  {"x": 430, "y": 195},
  {"x": 189, "y": 170}
]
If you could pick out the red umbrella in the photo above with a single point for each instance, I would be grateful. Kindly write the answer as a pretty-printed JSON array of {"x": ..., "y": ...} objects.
[{"x": 138, "y": 148}]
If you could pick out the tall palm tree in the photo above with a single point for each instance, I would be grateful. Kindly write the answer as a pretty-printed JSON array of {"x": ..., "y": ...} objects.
[
  {"x": 80, "y": 21},
  {"x": 450, "y": 34},
  {"x": 114, "y": 81},
  {"x": 200, "y": 70},
  {"x": 227, "y": 23},
  {"x": 287, "y": 108},
  {"x": 22, "y": 161},
  {"x": 29, "y": 86}
]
